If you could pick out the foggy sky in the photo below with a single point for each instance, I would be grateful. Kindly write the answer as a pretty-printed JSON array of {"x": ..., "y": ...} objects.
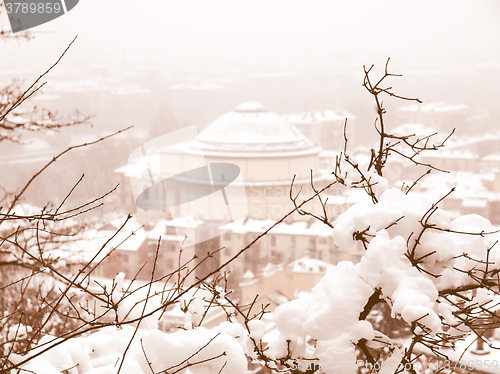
[{"x": 160, "y": 31}]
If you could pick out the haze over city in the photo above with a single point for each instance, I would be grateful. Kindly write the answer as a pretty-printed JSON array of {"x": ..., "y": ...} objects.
[
  {"x": 180, "y": 63},
  {"x": 263, "y": 165}
]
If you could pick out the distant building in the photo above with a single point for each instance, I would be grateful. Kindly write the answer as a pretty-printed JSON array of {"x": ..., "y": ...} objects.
[
  {"x": 105, "y": 251},
  {"x": 451, "y": 160},
  {"x": 277, "y": 284},
  {"x": 324, "y": 128},
  {"x": 267, "y": 149},
  {"x": 269, "y": 152},
  {"x": 440, "y": 116},
  {"x": 282, "y": 245},
  {"x": 444, "y": 117}
]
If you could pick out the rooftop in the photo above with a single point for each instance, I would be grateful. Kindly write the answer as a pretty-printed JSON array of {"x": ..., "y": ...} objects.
[
  {"x": 319, "y": 117},
  {"x": 437, "y": 107},
  {"x": 249, "y": 127},
  {"x": 295, "y": 228}
]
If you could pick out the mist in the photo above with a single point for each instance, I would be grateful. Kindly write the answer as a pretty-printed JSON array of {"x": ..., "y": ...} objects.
[{"x": 162, "y": 65}]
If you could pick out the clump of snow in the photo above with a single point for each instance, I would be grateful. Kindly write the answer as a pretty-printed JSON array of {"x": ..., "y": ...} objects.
[
  {"x": 239, "y": 333},
  {"x": 215, "y": 351},
  {"x": 194, "y": 303},
  {"x": 378, "y": 183},
  {"x": 257, "y": 329},
  {"x": 414, "y": 251},
  {"x": 201, "y": 351},
  {"x": 18, "y": 332},
  {"x": 329, "y": 314},
  {"x": 393, "y": 206},
  {"x": 385, "y": 267},
  {"x": 138, "y": 305}
]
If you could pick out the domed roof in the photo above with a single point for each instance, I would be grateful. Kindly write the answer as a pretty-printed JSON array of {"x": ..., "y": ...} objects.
[{"x": 251, "y": 128}]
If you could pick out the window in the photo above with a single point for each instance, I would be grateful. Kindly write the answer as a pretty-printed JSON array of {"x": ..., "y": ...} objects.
[
  {"x": 170, "y": 263},
  {"x": 331, "y": 252},
  {"x": 276, "y": 257},
  {"x": 293, "y": 242},
  {"x": 312, "y": 243},
  {"x": 273, "y": 241},
  {"x": 227, "y": 236}
]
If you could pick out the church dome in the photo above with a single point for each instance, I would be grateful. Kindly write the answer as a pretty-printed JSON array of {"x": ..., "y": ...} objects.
[{"x": 251, "y": 128}]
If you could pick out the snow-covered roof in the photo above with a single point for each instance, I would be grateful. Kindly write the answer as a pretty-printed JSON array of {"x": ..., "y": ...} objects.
[
  {"x": 318, "y": 117},
  {"x": 348, "y": 197},
  {"x": 494, "y": 157},
  {"x": 456, "y": 154},
  {"x": 310, "y": 265},
  {"x": 181, "y": 223},
  {"x": 474, "y": 203},
  {"x": 461, "y": 141},
  {"x": 250, "y": 127},
  {"x": 277, "y": 298},
  {"x": 248, "y": 275},
  {"x": 83, "y": 247},
  {"x": 417, "y": 129},
  {"x": 470, "y": 188},
  {"x": 295, "y": 228},
  {"x": 438, "y": 107}
]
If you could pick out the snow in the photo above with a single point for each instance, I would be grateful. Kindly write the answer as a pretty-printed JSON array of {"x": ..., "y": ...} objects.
[
  {"x": 248, "y": 275},
  {"x": 310, "y": 265},
  {"x": 391, "y": 227},
  {"x": 384, "y": 267},
  {"x": 295, "y": 228},
  {"x": 249, "y": 107},
  {"x": 437, "y": 107},
  {"x": 417, "y": 129},
  {"x": 316, "y": 117},
  {"x": 468, "y": 185},
  {"x": 258, "y": 150},
  {"x": 257, "y": 329},
  {"x": 277, "y": 298},
  {"x": 181, "y": 223},
  {"x": 139, "y": 168},
  {"x": 18, "y": 332},
  {"x": 196, "y": 348},
  {"x": 251, "y": 124},
  {"x": 450, "y": 154},
  {"x": 393, "y": 204},
  {"x": 463, "y": 141},
  {"x": 412, "y": 253},
  {"x": 102, "y": 352},
  {"x": 86, "y": 244},
  {"x": 329, "y": 314},
  {"x": 462, "y": 357},
  {"x": 475, "y": 203}
]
